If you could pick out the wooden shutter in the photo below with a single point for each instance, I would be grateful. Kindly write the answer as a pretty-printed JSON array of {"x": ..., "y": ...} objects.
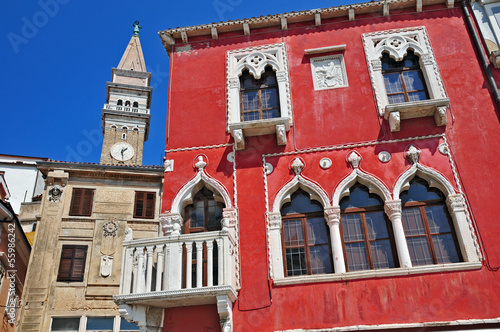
[
  {"x": 81, "y": 202},
  {"x": 72, "y": 265},
  {"x": 144, "y": 205}
]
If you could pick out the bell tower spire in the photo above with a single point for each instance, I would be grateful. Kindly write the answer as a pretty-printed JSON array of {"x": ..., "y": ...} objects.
[{"x": 126, "y": 114}]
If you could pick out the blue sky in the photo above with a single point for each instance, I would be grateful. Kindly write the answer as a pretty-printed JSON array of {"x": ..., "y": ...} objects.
[{"x": 58, "y": 56}]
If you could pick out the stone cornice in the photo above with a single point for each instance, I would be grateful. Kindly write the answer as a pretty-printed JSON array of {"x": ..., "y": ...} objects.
[{"x": 246, "y": 25}]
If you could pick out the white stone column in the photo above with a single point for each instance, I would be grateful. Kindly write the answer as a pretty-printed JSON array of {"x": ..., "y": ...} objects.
[
  {"x": 159, "y": 266},
  {"x": 281, "y": 77},
  {"x": 379, "y": 82},
  {"x": 393, "y": 211},
  {"x": 134, "y": 270},
  {"x": 276, "y": 251},
  {"x": 199, "y": 264},
  {"x": 139, "y": 287},
  {"x": 189, "y": 262},
  {"x": 463, "y": 228},
  {"x": 173, "y": 268},
  {"x": 210, "y": 263},
  {"x": 128, "y": 265},
  {"x": 234, "y": 98},
  {"x": 222, "y": 263},
  {"x": 332, "y": 216},
  {"x": 149, "y": 268}
]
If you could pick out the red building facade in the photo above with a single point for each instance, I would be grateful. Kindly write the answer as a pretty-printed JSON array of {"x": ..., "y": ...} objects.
[{"x": 345, "y": 160}]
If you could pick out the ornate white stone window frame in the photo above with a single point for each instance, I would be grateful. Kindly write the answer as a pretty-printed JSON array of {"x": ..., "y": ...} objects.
[
  {"x": 393, "y": 208},
  {"x": 338, "y": 73},
  {"x": 396, "y": 43},
  {"x": 255, "y": 60}
]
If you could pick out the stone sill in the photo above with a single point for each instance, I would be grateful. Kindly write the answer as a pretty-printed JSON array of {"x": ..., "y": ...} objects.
[
  {"x": 177, "y": 298},
  {"x": 416, "y": 109},
  {"x": 377, "y": 273},
  {"x": 240, "y": 130}
]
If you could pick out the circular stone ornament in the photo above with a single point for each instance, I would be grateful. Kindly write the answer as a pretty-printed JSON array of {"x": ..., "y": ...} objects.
[
  {"x": 325, "y": 163},
  {"x": 230, "y": 157},
  {"x": 443, "y": 148},
  {"x": 268, "y": 168},
  {"x": 384, "y": 156}
]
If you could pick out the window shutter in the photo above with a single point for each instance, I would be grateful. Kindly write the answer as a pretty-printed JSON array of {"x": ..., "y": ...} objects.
[
  {"x": 150, "y": 205},
  {"x": 87, "y": 200},
  {"x": 72, "y": 265},
  {"x": 76, "y": 202},
  {"x": 139, "y": 204}
]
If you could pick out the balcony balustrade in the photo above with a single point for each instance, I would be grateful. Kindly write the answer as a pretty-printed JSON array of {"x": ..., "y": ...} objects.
[
  {"x": 178, "y": 270},
  {"x": 130, "y": 109}
]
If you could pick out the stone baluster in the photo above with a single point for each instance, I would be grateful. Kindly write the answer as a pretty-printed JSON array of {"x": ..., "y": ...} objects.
[
  {"x": 149, "y": 271},
  {"x": 220, "y": 250},
  {"x": 332, "y": 216},
  {"x": 128, "y": 269},
  {"x": 159, "y": 266},
  {"x": 139, "y": 287},
  {"x": 393, "y": 211},
  {"x": 134, "y": 269},
  {"x": 189, "y": 264},
  {"x": 199, "y": 264},
  {"x": 210, "y": 264}
]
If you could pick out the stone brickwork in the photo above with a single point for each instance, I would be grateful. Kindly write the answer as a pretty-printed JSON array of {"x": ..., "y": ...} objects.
[{"x": 114, "y": 135}]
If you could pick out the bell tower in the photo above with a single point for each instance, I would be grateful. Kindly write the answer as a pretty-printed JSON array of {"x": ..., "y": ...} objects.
[{"x": 126, "y": 114}]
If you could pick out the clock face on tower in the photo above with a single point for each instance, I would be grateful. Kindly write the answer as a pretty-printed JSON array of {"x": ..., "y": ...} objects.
[{"x": 122, "y": 151}]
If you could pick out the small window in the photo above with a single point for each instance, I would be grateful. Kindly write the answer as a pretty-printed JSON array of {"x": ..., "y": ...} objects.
[
  {"x": 119, "y": 102},
  {"x": 305, "y": 236},
  {"x": 100, "y": 324},
  {"x": 144, "y": 205},
  {"x": 127, "y": 103},
  {"x": 124, "y": 136},
  {"x": 72, "y": 265},
  {"x": 65, "y": 324},
  {"x": 135, "y": 104},
  {"x": 403, "y": 79},
  {"x": 81, "y": 202},
  {"x": 259, "y": 97},
  {"x": 367, "y": 235},
  {"x": 428, "y": 227}
]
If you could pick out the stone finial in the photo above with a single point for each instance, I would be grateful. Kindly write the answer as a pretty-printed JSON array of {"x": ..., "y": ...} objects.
[
  {"x": 200, "y": 164},
  {"x": 413, "y": 154},
  {"x": 297, "y": 166},
  {"x": 354, "y": 159}
]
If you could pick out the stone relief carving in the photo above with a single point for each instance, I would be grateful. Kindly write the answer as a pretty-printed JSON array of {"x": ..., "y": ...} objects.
[
  {"x": 169, "y": 165},
  {"x": 281, "y": 134},
  {"x": 108, "y": 245},
  {"x": 413, "y": 154},
  {"x": 354, "y": 159},
  {"x": 55, "y": 194},
  {"x": 297, "y": 166},
  {"x": 329, "y": 72},
  {"x": 128, "y": 234}
]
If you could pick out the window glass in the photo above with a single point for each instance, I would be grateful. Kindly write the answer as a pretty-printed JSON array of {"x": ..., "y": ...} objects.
[
  {"x": 204, "y": 214},
  {"x": 101, "y": 324},
  {"x": 65, "y": 324},
  {"x": 259, "y": 97},
  {"x": 126, "y": 326}
]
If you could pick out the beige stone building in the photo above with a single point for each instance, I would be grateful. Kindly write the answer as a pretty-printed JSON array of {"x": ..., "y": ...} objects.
[{"x": 87, "y": 210}]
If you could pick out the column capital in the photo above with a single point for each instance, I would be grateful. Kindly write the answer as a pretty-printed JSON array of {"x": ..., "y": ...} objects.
[
  {"x": 274, "y": 220},
  {"x": 393, "y": 209},
  {"x": 455, "y": 203},
  {"x": 332, "y": 215}
]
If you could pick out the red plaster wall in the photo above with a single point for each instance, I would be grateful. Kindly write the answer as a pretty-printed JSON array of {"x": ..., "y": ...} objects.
[{"x": 197, "y": 116}]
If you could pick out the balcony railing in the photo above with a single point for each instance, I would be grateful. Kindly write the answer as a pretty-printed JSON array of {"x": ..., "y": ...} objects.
[
  {"x": 187, "y": 269},
  {"x": 126, "y": 109}
]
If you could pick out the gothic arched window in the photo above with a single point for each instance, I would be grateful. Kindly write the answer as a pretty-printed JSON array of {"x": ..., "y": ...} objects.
[
  {"x": 403, "y": 80},
  {"x": 259, "y": 97},
  {"x": 205, "y": 214},
  {"x": 305, "y": 237},
  {"x": 367, "y": 235},
  {"x": 428, "y": 227},
  {"x": 119, "y": 102}
]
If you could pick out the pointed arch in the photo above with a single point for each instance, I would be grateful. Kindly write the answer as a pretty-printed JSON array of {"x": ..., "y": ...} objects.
[
  {"x": 187, "y": 192},
  {"x": 435, "y": 180},
  {"x": 374, "y": 185},
  {"x": 315, "y": 192}
]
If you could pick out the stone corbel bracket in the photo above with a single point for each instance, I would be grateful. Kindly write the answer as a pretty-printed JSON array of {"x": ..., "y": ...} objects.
[
  {"x": 148, "y": 318},
  {"x": 394, "y": 113},
  {"x": 240, "y": 130},
  {"x": 57, "y": 177}
]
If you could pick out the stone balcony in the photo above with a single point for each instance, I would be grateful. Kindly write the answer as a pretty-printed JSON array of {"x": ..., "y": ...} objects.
[
  {"x": 174, "y": 271},
  {"x": 120, "y": 108}
]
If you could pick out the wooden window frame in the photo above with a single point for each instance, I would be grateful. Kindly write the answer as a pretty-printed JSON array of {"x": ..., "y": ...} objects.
[
  {"x": 148, "y": 208},
  {"x": 400, "y": 71},
  {"x": 73, "y": 259},
  {"x": 79, "y": 206},
  {"x": 259, "y": 89},
  {"x": 303, "y": 217},
  {"x": 187, "y": 224},
  {"x": 366, "y": 240},
  {"x": 421, "y": 205}
]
